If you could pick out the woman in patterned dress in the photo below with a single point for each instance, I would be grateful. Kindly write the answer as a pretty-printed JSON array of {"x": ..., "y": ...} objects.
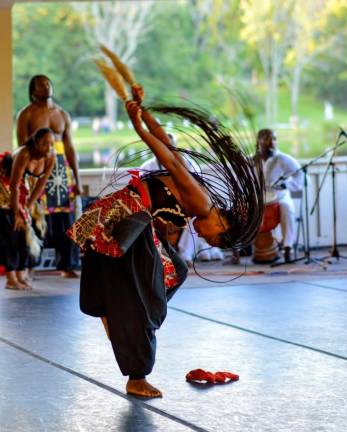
[{"x": 34, "y": 159}]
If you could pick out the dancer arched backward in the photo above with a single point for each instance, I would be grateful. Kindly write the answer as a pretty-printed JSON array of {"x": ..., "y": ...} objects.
[
  {"x": 126, "y": 278},
  {"x": 185, "y": 239}
]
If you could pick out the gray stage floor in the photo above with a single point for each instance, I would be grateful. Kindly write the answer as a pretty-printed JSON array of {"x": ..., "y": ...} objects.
[{"x": 284, "y": 332}]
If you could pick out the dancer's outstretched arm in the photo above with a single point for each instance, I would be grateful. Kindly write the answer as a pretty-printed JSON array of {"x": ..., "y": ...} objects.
[
  {"x": 193, "y": 197},
  {"x": 153, "y": 125},
  {"x": 155, "y": 128}
]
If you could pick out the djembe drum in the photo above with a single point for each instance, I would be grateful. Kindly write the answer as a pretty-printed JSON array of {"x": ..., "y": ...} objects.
[{"x": 265, "y": 246}]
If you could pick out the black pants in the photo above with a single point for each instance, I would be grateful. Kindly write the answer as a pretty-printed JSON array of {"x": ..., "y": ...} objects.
[
  {"x": 66, "y": 253},
  {"x": 130, "y": 292},
  {"x": 13, "y": 249}
]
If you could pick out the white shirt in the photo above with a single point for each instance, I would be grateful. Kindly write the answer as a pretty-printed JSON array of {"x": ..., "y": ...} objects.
[
  {"x": 154, "y": 165},
  {"x": 277, "y": 166}
]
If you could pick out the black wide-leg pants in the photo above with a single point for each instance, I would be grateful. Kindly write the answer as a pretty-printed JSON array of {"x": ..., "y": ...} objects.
[
  {"x": 130, "y": 292},
  {"x": 65, "y": 250},
  {"x": 13, "y": 249}
]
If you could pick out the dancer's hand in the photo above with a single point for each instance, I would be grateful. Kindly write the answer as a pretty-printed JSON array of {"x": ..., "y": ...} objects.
[
  {"x": 78, "y": 189},
  {"x": 18, "y": 221},
  {"x": 280, "y": 186},
  {"x": 30, "y": 207},
  {"x": 135, "y": 113},
  {"x": 138, "y": 93}
]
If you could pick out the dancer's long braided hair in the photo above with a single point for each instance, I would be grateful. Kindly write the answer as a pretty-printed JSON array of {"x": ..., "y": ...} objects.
[{"x": 233, "y": 179}]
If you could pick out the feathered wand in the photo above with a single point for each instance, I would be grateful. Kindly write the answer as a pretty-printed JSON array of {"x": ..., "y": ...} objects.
[
  {"x": 121, "y": 67},
  {"x": 114, "y": 78}
]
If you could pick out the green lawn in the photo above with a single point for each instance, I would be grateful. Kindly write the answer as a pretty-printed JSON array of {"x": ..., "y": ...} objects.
[
  {"x": 315, "y": 134},
  {"x": 86, "y": 140},
  {"x": 312, "y": 138}
]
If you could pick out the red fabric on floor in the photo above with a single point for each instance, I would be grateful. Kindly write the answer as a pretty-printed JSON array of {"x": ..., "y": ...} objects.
[{"x": 210, "y": 377}]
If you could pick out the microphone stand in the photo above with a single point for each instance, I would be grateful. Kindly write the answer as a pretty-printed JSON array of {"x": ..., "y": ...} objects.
[
  {"x": 334, "y": 252},
  {"x": 307, "y": 254},
  {"x": 307, "y": 249}
]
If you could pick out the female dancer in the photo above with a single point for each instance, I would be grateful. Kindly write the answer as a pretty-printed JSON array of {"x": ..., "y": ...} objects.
[
  {"x": 128, "y": 271},
  {"x": 34, "y": 159}
]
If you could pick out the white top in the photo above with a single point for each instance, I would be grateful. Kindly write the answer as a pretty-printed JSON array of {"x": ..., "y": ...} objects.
[
  {"x": 278, "y": 166},
  {"x": 153, "y": 164}
]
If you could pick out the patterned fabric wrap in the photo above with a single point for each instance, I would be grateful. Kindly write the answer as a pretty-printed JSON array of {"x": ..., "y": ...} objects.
[
  {"x": 96, "y": 226},
  {"x": 31, "y": 240},
  {"x": 5, "y": 193},
  {"x": 5, "y": 201},
  {"x": 59, "y": 191}
]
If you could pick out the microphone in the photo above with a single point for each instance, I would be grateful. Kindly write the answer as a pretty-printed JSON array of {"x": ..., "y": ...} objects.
[
  {"x": 342, "y": 132},
  {"x": 278, "y": 180}
]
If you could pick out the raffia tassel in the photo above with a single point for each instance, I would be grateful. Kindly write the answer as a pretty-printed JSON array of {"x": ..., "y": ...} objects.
[
  {"x": 119, "y": 65},
  {"x": 38, "y": 216},
  {"x": 32, "y": 241},
  {"x": 114, "y": 79},
  {"x": 78, "y": 206}
]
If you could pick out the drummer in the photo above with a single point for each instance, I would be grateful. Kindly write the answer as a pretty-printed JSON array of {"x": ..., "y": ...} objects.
[{"x": 277, "y": 166}]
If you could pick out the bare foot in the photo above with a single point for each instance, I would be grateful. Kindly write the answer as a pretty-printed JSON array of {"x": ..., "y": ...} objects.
[
  {"x": 142, "y": 388},
  {"x": 26, "y": 283},
  {"x": 70, "y": 274},
  {"x": 17, "y": 286},
  {"x": 13, "y": 283}
]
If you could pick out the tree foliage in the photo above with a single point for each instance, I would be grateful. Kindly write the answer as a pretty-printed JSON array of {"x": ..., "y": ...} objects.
[
  {"x": 201, "y": 50},
  {"x": 120, "y": 26},
  {"x": 49, "y": 39}
]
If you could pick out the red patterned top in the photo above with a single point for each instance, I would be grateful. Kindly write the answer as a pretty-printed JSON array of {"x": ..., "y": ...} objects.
[
  {"x": 5, "y": 192},
  {"x": 96, "y": 226}
]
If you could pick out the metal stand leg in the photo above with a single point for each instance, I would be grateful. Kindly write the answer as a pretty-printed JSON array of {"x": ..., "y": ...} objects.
[
  {"x": 334, "y": 252},
  {"x": 307, "y": 254}
]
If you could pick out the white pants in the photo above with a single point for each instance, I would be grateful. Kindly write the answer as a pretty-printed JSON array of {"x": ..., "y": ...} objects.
[{"x": 287, "y": 220}]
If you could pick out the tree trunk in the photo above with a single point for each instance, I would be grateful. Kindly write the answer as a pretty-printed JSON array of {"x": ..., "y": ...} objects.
[
  {"x": 264, "y": 58},
  {"x": 269, "y": 102},
  {"x": 294, "y": 120},
  {"x": 130, "y": 22},
  {"x": 295, "y": 90},
  {"x": 110, "y": 106},
  {"x": 274, "y": 94}
]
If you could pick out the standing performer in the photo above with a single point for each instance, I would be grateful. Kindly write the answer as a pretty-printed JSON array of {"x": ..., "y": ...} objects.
[
  {"x": 277, "y": 165},
  {"x": 36, "y": 159},
  {"x": 62, "y": 185},
  {"x": 128, "y": 272}
]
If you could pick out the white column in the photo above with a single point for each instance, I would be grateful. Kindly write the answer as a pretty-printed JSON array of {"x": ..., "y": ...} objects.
[{"x": 6, "y": 105}]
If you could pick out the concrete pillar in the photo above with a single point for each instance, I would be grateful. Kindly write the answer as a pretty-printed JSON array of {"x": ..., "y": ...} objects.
[{"x": 6, "y": 105}]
